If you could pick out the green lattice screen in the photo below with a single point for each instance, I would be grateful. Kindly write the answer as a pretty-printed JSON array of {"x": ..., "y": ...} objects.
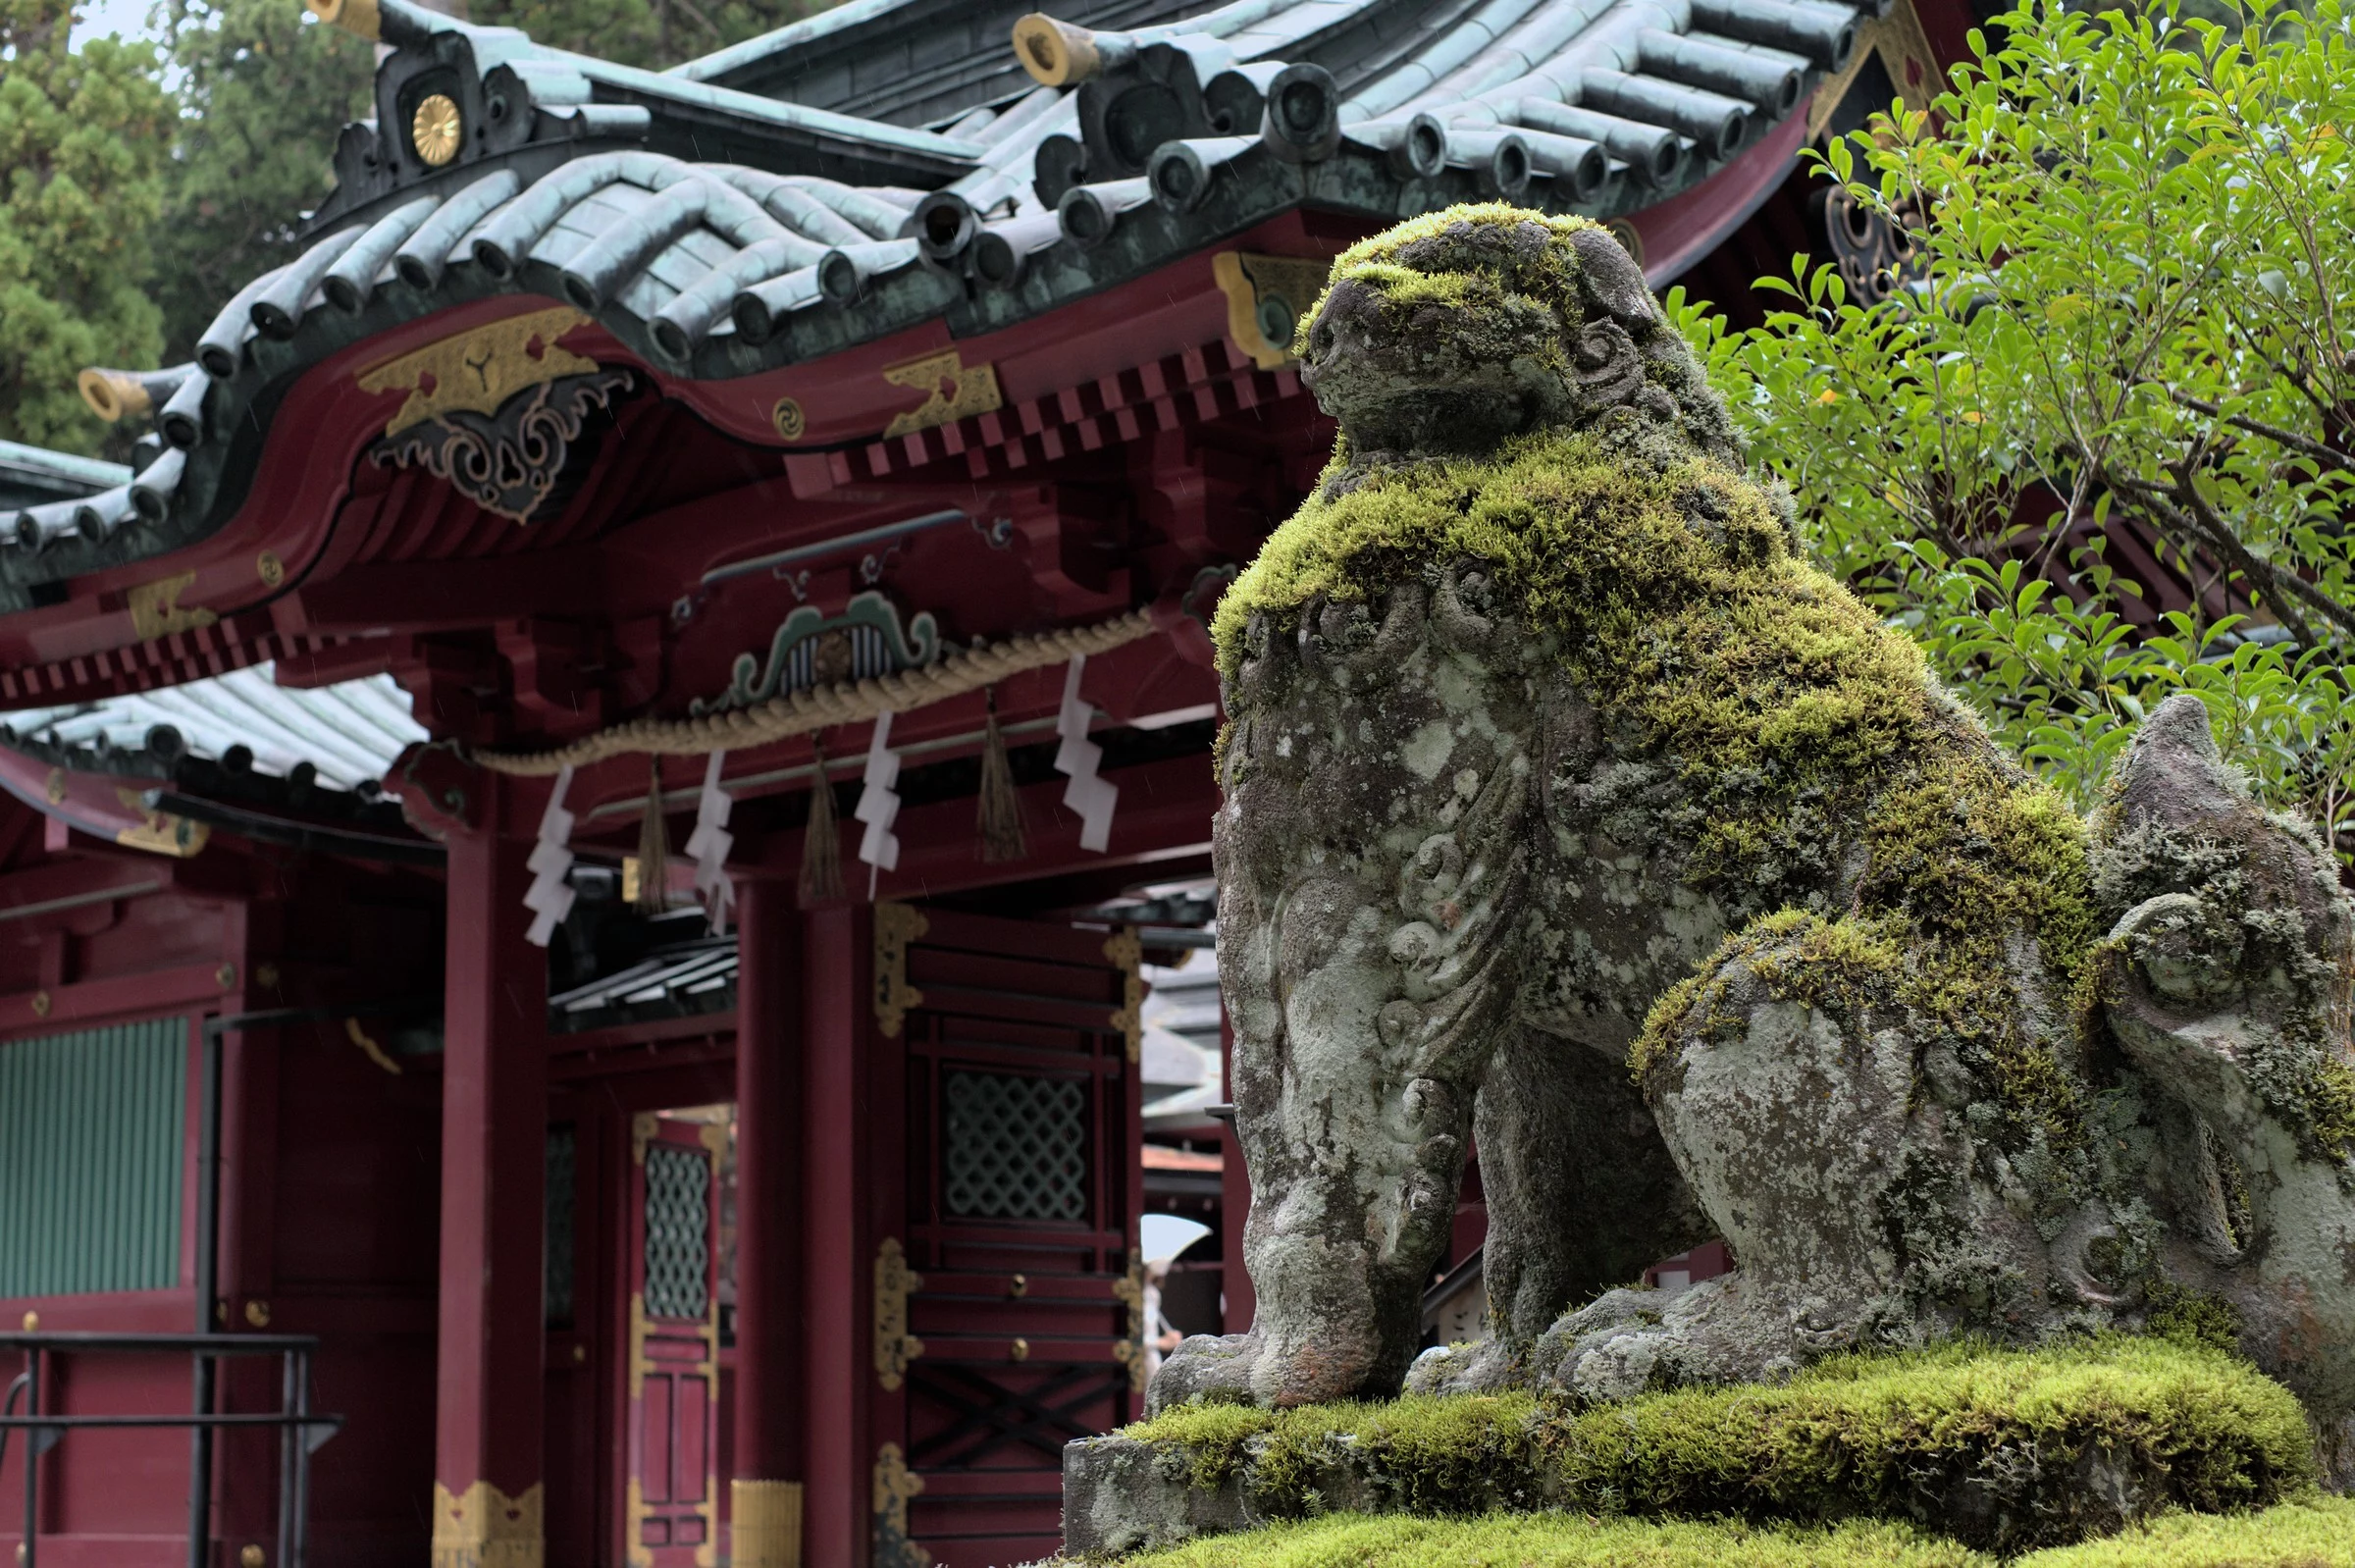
[
  {"x": 1016, "y": 1147},
  {"x": 92, "y": 1130},
  {"x": 678, "y": 1223}
]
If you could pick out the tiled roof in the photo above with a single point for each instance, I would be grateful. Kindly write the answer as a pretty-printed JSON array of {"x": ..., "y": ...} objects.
[
  {"x": 348, "y": 733},
  {"x": 721, "y": 233},
  {"x": 912, "y": 62},
  {"x": 31, "y": 474}
]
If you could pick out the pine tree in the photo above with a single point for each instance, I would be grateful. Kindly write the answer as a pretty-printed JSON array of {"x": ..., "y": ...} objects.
[
  {"x": 652, "y": 33},
  {"x": 264, "y": 89},
  {"x": 82, "y": 135}
]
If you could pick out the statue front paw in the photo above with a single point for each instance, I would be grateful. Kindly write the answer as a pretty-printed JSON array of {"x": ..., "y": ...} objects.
[{"x": 1206, "y": 1369}]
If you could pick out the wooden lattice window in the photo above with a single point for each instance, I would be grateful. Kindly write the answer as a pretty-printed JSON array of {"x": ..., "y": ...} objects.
[
  {"x": 678, "y": 1221},
  {"x": 1016, "y": 1147},
  {"x": 92, "y": 1142}
]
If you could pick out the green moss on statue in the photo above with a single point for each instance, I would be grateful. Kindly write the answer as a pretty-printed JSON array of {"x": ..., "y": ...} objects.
[{"x": 1668, "y": 579}]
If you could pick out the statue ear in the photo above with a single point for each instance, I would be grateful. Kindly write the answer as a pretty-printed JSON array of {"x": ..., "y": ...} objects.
[{"x": 1608, "y": 277}]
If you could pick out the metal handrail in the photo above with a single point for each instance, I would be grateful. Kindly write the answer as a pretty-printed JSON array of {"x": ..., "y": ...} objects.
[{"x": 301, "y": 1429}]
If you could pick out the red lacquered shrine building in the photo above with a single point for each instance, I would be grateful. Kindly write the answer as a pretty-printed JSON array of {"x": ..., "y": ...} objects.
[{"x": 589, "y": 821}]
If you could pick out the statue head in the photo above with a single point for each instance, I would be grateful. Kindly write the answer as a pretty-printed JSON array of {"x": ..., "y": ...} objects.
[{"x": 1454, "y": 331}]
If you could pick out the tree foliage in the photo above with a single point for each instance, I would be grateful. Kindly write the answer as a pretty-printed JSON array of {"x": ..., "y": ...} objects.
[
  {"x": 263, "y": 90},
  {"x": 143, "y": 191},
  {"x": 652, "y": 33},
  {"x": 81, "y": 152},
  {"x": 2132, "y": 306}
]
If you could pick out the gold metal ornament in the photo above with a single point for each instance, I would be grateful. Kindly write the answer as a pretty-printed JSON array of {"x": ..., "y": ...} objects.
[
  {"x": 482, "y": 1527},
  {"x": 896, "y": 925},
  {"x": 1264, "y": 292},
  {"x": 436, "y": 130},
  {"x": 1130, "y": 1352},
  {"x": 789, "y": 419},
  {"x": 1128, "y": 953},
  {"x": 895, "y": 1283}
]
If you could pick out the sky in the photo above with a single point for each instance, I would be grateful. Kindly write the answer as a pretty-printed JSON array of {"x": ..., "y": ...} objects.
[{"x": 101, "y": 17}]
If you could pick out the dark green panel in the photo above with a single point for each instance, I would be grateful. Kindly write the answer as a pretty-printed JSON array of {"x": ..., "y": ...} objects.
[{"x": 91, "y": 1133}]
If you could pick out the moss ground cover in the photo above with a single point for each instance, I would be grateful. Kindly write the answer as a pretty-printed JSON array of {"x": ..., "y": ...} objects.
[
  {"x": 1993, "y": 1446},
  {"x": 1561, "y": 1540},
  {"x": 1888, "y": 1435},
  {"x": 2311, "y": 1533}
]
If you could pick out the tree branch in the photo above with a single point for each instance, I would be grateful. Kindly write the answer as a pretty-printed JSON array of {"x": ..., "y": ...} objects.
[
  {"x": 2274, "y": 433},
  {"x": 2201, "y": 526}
]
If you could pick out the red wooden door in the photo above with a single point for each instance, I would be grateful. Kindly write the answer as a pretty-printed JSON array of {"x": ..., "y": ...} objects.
[
  {"x": 1006, "y": 1281},
  {"x": 670, "y": 1519}
]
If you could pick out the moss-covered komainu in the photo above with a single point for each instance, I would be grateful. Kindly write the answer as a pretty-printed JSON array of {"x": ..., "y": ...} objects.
[{"x": 1548, "y": 756}]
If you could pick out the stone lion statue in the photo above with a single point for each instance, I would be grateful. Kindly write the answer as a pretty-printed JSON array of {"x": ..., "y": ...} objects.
[{"x": 1570, "y": 811}]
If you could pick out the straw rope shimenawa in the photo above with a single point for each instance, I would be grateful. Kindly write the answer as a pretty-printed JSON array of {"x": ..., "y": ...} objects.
[{"x": 958, "y": 671}]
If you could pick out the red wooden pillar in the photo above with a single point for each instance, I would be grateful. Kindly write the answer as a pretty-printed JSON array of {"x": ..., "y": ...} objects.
[
  {"x": 771, "y": 1392},
  {"x": 487, "y": 1486},
  {"x": 1235, "y": 1201},
  {"x": 837, "y": 961}
]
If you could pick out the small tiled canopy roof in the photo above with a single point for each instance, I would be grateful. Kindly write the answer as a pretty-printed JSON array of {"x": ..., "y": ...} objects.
[
  {"x": 886, "y": 163},
  {"x": 348, "y": 733},
  {"x": 31, "y": 474}
]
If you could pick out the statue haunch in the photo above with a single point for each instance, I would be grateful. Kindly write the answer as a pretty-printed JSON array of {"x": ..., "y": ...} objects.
[{"x": 1568, "y": 810}]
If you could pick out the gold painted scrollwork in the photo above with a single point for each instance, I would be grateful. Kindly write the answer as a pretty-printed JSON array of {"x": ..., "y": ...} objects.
[
  {"x": 895, "y": 1283},
  {"x": 1128, "y": 953},
  {"x": 896, "y": 925},
  {"x": 957, "y": 390},
  {"x": 156, "y": 610},
  {"x": 476, "y": 371}
]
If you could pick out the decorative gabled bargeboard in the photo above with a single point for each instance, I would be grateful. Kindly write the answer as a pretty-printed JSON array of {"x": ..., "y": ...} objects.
[
  {"x": 814, "y": 649},
  {"x": 522, "y": 462}
]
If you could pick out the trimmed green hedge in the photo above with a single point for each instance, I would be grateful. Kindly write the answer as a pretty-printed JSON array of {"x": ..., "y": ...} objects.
[
  {"x": 1995, "y": 1448},
  {"x": 2314, "y": 1533}
]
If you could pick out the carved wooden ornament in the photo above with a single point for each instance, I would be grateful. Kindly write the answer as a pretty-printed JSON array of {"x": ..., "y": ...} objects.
[{"x": 520, "y": 462}]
